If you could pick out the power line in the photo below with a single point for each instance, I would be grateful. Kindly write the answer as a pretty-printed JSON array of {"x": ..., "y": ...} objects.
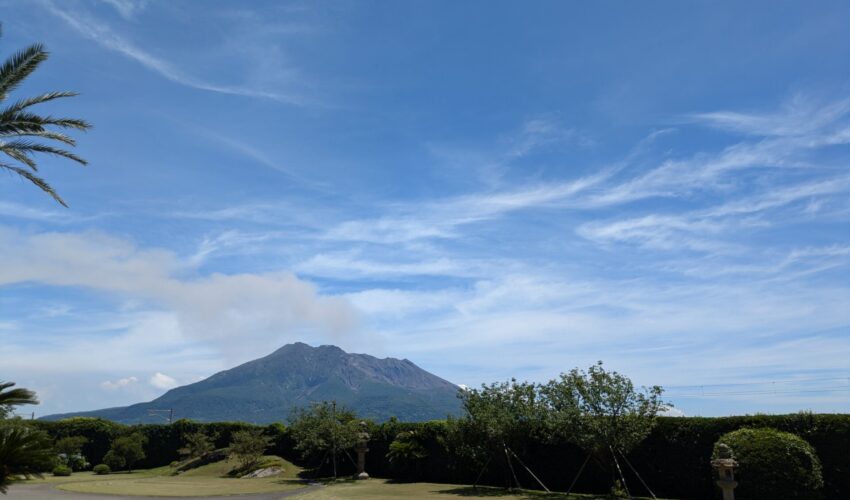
[
  {"x": 840, "y": 388},
  {"x": 731, "y": 384}
]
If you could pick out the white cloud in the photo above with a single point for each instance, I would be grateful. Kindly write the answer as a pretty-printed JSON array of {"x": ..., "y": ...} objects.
[
  {"x": 118, "y": 384},
  {"x": 672, "y": 411},
  {"x": 103, "y": 35},
  {"x": 237, "y": 311},
  {"x": 800, "y": 116},
  {"x": 162, "y": 381},
  {"x": 126, "y": 8},
  {"x": 443, "y": 218}
]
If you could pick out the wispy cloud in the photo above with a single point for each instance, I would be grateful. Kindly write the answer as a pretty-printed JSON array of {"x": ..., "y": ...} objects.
[
  {"x": 126, "y": 8},
  {"x": 800, "y": 116},
  {"x": 118, "y": 384},
  {"x": 441, "y": 218},
  {"x": 104, "y": 36}
]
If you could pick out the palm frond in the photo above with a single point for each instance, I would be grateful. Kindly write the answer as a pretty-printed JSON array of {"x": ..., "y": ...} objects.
[
  {"x": 24, "y": 147},
  {"x": 19, "y": 124},
  {"x": 38, "y": 181},
  {"x": 20, "y": 156},
  {"x": 57, "y": 136},
  {"x": 31, "y": 120},
  {"x": 14, "y": 397},
  {"x": 31, "y": 101},
  {"x": 19, "y": 66}
]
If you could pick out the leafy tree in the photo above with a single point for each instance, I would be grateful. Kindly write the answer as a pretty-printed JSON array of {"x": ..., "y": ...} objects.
[
  {"x": 70, "y": 451},
  {"x": 406, "y": 454},
  {"x": 114, "y": 461},
  {"x": 600, "y": 410},
  {"x": 70, "y": 445},
  {"x": 14, "y": 397},
  {"x": 247, "y": 447},
  {"x": 20, "y": 128},
  {"x": 130, "y": 449},
  {"x": 506, "y": 413},
  {"x": 323, "y": 430},
  {"x": 500, "y": 418},
  {"x": 197, "y": 444}
]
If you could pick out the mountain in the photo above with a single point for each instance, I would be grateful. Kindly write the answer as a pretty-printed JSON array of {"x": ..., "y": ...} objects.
[{"x": 267, "y": 389}]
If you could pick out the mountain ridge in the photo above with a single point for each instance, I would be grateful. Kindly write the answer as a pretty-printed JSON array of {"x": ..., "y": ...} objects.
[{"x": 295, "y": 375}]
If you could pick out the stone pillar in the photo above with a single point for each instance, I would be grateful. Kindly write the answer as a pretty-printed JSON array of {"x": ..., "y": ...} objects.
[
  {"x": 361, "y": 448},
  {"x": 725, "y": 465}
]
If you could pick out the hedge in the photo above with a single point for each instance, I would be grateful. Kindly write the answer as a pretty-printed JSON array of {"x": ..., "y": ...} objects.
[
  {"x": 773, "y": 464},
  {"x": 674, "y": 460}
]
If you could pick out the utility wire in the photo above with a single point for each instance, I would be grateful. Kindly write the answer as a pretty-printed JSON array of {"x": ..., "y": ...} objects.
[{"x": 840, "y": 388}]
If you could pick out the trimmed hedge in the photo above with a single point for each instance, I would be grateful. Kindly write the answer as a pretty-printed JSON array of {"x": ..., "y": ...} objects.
[
  {"x": 61, "y": 470},
  {"x": 101, "y": 469},
  {"x": 675, "y": 460},
  {"x": 774, "y": 464}
]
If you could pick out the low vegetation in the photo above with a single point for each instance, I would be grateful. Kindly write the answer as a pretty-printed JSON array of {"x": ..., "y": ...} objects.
[
  {"x": 323, "y": 432},
  {"x": 247, "y": 448},
  {"x": 774, "y": 464},
  {"x": 513, "y": 434},
  {"x": 24, "y": 450}
]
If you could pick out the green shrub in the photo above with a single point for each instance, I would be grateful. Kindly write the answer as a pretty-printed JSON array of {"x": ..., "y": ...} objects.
[
  {"x": 61, "y": 470},
  {"x": 114, "y": 461},
  {"x": 406, "y": 454},
  {"x": 101, "y": 469},
  {"x": 774, "y": 464}
]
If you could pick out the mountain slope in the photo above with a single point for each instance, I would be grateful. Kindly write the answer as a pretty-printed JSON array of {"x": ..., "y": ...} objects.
[{"x": 267, "y": 389}]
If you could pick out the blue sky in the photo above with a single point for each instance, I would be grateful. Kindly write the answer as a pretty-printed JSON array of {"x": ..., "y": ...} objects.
[{"x": 490, "y": 189}]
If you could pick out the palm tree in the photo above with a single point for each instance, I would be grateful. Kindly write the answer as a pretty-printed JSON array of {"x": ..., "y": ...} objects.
[
  {"x": 24, "y": 451},
  {"x": 20, "y": 128},
  {"x": 14, "y": 397}
]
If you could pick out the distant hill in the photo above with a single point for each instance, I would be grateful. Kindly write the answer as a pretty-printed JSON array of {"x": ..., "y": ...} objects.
[{"x": 267, "y": 389}]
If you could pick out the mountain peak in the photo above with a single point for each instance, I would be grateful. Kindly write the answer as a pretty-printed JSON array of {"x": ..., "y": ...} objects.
[{"x": 268, "y": 389}]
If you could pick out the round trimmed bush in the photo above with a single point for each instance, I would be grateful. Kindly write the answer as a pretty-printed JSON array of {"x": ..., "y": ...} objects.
[
  {"x": 101, "y": 469},
  {"x": 61, "y": 470},
  {"x": 773, "y": 464}
]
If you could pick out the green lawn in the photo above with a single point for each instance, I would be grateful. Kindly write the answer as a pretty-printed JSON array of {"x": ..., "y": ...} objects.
[
  {"x": 210, "y": 479},
  {"x": 375, "y": 489}
]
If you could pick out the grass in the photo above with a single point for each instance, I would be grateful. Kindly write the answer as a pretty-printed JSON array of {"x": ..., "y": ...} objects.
[
  {"x": 213, "y": 479},
  {"x": 374, "y": 489},
  {"x": 210, "y": 479}
]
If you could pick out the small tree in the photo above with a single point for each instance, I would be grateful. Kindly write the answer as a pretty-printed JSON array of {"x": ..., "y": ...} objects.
[
  {"x": 247, "y": 447},
  {"x": 501, "y": 417},
  {"x": 70, "y": 451},
  {"x": 406, "y": 454},
  {"x": 197, "y": 444},
  {"x": 114, "y": 461},
  {"x": 129, "y": 448},
  {"x": 322, "y": 430},
  {"x": 601, "y": 411},
  {"x": 506, "y": 413}
]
